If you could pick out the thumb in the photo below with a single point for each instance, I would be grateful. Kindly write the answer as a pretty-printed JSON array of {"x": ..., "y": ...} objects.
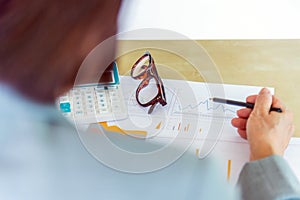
[{"x": 263, "y": 102}]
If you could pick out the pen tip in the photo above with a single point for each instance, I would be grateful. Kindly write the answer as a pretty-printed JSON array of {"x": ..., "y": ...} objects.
[{"x": 211, "y": 99}]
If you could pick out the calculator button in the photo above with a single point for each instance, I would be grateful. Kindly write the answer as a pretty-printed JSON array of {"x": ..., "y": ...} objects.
[
  {"x": 64, "y": 99},
  {"x": 89, "y": 102},
  {"x": 78, "y": 102},
  {"x": 103, "y": 111},
  {"x": 100, "y": 91},
  {"x": 112, "y": 93},
  {"x": 66, "y": 110},
  {"x": 102, "y": 101},
  {"x": 116, "y": 108},
  {"x": 86, "y": 93},
  {"x": 90, "y": 106},
  {"x": 102, "y": 105},
  {"x": 90, "y": 112},
  {"x": 65, "y": 107},
  {"x": 89, "y": 90},
  {"x": 76, "y": 93},
  {"x": 89, "y": 96},
  {"x": 101, "y": 96},
  {"x": 78, "y": 108},
  {"x": 77, "y": 97},
  {"x": 79, "y": 113}
]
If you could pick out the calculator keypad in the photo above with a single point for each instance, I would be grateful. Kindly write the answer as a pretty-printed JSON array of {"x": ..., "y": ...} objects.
[{"x": 93, "y": 103}]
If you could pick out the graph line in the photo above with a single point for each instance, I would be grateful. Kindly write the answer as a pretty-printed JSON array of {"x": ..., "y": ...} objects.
[{"x": 207, "y": 106}]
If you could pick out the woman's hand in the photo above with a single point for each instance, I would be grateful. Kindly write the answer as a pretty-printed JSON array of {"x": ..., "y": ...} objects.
[{"x": 268, "y": 133}]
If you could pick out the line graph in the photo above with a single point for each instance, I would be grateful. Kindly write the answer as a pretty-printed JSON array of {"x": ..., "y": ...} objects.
[
  {"x": 205, "y": 108},
  {"x": 208, "y": 107}
]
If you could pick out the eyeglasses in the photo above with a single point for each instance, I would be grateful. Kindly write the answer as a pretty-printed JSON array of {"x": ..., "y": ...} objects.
[{"x": 148, "y": 93}]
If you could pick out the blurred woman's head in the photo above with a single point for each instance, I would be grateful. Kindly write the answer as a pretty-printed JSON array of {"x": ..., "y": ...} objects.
[{"x": 43, "y": 43}]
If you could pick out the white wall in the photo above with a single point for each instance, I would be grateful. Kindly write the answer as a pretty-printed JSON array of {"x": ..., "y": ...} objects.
[{"x": 214, "y": 19}]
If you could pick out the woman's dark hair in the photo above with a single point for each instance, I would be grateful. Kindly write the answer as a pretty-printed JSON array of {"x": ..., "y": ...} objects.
[{"x": 43, "y": 42}]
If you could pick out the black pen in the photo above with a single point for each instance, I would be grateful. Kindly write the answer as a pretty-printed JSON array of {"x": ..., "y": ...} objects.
[{"x": 242, "y": 104}]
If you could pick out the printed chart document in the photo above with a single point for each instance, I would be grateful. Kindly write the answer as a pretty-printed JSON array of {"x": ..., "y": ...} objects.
[{"x": 191, "y": 115}]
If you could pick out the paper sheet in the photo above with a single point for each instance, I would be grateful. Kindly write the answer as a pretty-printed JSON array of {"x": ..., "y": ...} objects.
[{"x": 190, "y": 114}]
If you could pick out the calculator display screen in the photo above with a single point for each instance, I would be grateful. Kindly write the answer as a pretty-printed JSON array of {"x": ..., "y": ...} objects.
[{"x": 107, "y": 77}]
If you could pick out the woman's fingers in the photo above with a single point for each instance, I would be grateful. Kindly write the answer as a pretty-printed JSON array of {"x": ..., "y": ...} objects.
[
  {"x": 244, "y": 113},
  {"x": 242, "y": 133},
  {"x": 239, "y": 123},
  {"x": 251, "y": 99},
  {"x": 277, "y": 103}
]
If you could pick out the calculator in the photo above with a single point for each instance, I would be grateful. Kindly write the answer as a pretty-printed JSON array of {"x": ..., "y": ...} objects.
[{"x": 92, "y": 103}]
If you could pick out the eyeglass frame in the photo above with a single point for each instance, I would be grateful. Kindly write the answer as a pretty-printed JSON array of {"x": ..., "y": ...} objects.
[{"x": 149, "y": 73}]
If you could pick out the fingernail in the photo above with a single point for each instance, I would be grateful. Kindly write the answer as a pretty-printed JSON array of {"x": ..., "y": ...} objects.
[{"x": 265, "y": 91}]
